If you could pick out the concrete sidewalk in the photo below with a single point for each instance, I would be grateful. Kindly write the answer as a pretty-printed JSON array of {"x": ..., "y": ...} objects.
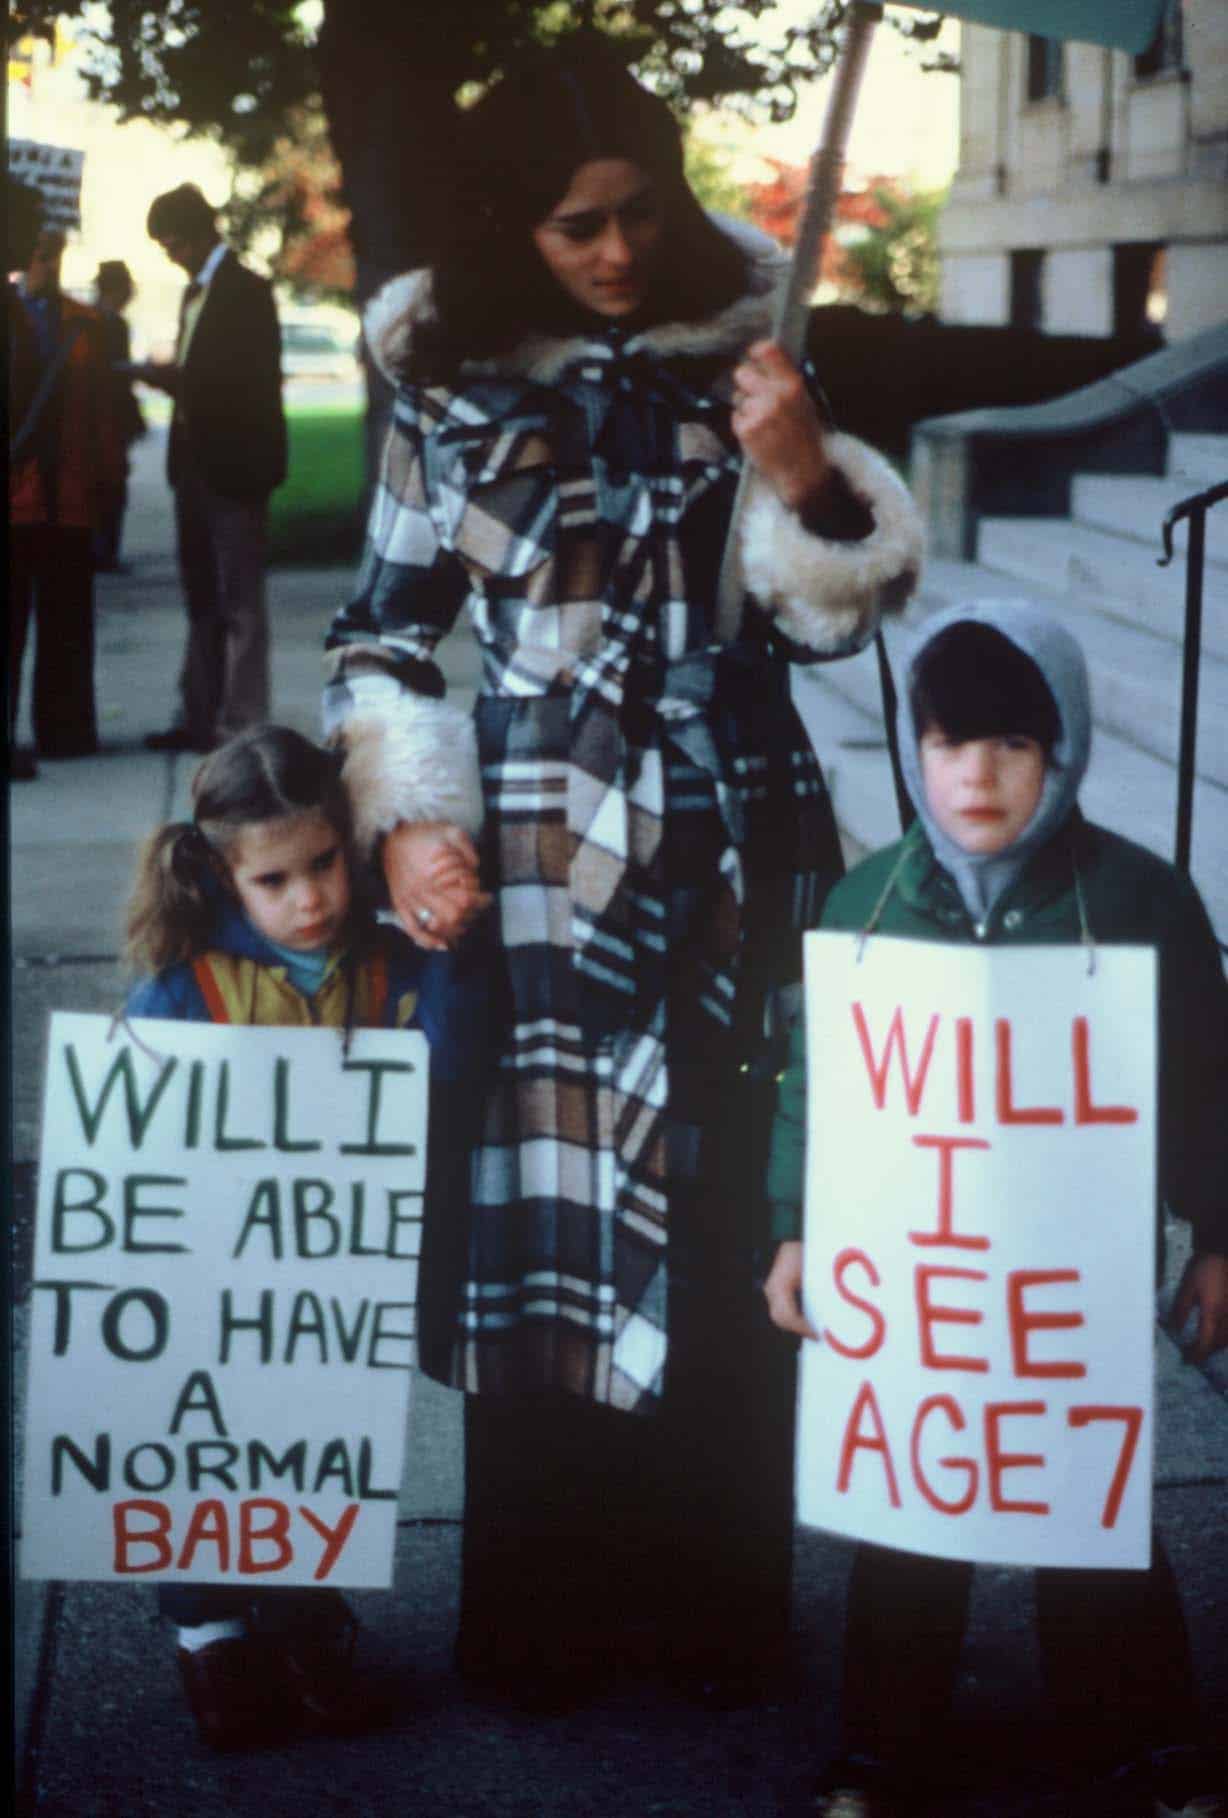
[{"x": 102, "y": 1729}]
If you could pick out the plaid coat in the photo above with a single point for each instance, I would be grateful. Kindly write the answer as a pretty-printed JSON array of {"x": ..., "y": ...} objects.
[{"x": 653, "y": 822}]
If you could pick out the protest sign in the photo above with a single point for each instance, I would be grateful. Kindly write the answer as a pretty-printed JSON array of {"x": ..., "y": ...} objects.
[
  {"x": 222, "y": 1326},
  {"x": 55, "y": 172},
  {"x": 980, "y": 1250}
]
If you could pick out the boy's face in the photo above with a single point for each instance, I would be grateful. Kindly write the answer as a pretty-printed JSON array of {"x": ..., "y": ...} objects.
[{"x": 982, "y": 792}]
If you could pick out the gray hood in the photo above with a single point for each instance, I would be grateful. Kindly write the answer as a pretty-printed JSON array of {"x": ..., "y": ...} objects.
[{"x": 1056, "y": 653}]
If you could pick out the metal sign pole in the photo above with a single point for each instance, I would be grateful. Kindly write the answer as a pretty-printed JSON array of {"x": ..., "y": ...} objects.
[{"x": 789, "y": 321}]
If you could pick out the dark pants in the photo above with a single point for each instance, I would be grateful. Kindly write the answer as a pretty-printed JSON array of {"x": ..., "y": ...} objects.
[
  {"x": 110, "y": 533},
  {"x": 51, "y": 580},
  {"x": 594, "y": 1537},
  {"x": 224, "y": 681},
  {"x": 1113, "y": 1650}
]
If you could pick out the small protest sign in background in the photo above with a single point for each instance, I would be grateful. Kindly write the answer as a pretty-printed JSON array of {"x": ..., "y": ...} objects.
[
  {"x": 55, "y": 172},
  {"x": 980, "y": 1250},
  {"x": 222, "y": 1335}
]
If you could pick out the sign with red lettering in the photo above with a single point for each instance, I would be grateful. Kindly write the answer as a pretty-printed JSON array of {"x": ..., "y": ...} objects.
[
  {"x": 980, "y": 1249},
  {"x": 222, "y": 1319}
]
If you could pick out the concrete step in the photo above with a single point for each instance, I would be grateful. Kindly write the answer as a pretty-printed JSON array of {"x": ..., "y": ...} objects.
[
  {"x": 851, "y": 746},
  {"x": 1200, "y": 459},
  {"x": 1135, "y": 678},
  {"x": 1127, "y": 788},
  {"x": 1135, "y": 505},
  {"x": 1115, "y": 575}
]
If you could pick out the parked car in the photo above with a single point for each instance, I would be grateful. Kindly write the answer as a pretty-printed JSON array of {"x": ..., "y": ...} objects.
[{"x": 319, "y": 347}]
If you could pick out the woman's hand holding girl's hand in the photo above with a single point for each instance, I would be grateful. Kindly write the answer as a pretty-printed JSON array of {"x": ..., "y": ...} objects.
[
  {"x": 432, "y": 873},
  {"x": 783, "y": 1290},
  {"x": 775, "y": 420}
]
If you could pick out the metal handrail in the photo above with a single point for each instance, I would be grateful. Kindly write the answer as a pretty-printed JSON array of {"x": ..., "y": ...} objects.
[
  {"x": 1197, "y": 502},
  {"x": 1195, "y": 508}
]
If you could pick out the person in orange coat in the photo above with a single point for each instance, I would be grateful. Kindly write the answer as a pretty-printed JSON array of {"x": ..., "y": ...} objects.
[{"x": 65, "y": 459}]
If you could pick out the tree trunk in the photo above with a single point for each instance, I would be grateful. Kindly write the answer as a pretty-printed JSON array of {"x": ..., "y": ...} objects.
[{"x": 387, "y": 95}]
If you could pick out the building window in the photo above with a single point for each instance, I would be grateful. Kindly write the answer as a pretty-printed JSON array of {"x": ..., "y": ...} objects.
[
  {"x": 1044, "y": 69},
  {"x": 1166, "y": 51},
  {"x": 1140, "y": 289},
  {"x": 1026, "y": 268}
]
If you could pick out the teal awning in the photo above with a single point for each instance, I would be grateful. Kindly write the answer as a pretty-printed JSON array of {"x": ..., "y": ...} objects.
[{"x": 1127, "y": 25}]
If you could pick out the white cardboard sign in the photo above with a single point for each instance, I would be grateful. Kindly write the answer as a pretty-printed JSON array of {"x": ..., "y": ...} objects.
[
  {"x": 980, "y": 1250},
  {"x": 222, "y": 1327},
  {"x": 55, "y": 171}
]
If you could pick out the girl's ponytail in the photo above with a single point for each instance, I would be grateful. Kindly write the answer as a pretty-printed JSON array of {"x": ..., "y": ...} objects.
[
  {"x": 266, "y": 773},
  {"x": 173, "y": 901}
]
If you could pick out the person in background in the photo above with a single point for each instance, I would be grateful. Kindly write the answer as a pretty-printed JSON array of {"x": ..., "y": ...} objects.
[
  {"x": 64, "y": 456},
  {"x": 226, "y": 455},
  {"x": 23, "y": 224},
  {"x": 113, "y": 291}
]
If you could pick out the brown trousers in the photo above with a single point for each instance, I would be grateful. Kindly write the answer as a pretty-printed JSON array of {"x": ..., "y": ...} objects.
[{"x": 224, "y": 682}]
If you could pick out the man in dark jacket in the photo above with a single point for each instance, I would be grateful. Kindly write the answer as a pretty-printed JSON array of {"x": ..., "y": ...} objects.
[{"x": 227, "y": 453}]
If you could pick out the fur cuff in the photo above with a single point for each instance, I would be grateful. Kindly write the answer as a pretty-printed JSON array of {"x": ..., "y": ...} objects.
[
  {"x": 387, "y": 320},
  {"x": 420, "y": 764},
  {"x": 825, "y": 594}
]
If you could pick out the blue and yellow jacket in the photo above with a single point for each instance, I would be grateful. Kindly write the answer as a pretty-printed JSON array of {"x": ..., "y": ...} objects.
[{"x": 387, "y": 983}]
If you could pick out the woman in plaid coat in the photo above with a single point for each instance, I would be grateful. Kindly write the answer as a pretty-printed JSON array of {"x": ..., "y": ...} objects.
[{"x": 581, "y": 372}]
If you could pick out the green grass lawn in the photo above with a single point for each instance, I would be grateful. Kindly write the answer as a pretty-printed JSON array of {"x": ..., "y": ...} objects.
[{"x": 316, "y": 516}]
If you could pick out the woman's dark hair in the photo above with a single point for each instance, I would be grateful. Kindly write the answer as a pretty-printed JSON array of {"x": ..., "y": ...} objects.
[
  {"x": 973, "y": 683},
  {"x": 267, "y": 773},
  {"x": 519, "y": 147}
]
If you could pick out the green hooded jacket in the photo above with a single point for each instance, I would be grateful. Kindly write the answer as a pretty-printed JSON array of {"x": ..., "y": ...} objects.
[{"x": 1130, "y": 897}]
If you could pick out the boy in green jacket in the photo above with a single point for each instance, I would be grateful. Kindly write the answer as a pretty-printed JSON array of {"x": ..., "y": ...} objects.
[{"x": 995, "y": 729}]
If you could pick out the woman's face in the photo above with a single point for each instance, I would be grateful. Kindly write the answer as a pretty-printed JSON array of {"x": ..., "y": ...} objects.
[{"x": 600, "y": 240}]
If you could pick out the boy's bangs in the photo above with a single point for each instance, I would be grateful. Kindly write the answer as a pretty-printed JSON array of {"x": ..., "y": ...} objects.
[{"x": 975, "y": 683}]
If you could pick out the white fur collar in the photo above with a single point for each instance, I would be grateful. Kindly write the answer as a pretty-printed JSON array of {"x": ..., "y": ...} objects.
[{"x": 390, "y": 318}]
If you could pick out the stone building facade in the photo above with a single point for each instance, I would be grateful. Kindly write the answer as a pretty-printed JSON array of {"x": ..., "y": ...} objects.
[{"x": 1092, "y": 190}]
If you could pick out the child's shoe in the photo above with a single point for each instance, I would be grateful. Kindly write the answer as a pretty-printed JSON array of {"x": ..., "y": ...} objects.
[
  {"x": 321, "y": 1686},
  {"x": 857, "y": 1787},
  {"x": 1184, "y": 1780},
  {"x": 851, "y": 1802},
  {"x": 320, "y": 1680},
  {"x": 1177, "y": 1783},
  {"x": 230, "y": 1694}
]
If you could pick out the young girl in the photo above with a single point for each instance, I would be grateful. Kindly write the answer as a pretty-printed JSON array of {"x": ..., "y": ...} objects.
[{"x": 249, "y": 913}]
